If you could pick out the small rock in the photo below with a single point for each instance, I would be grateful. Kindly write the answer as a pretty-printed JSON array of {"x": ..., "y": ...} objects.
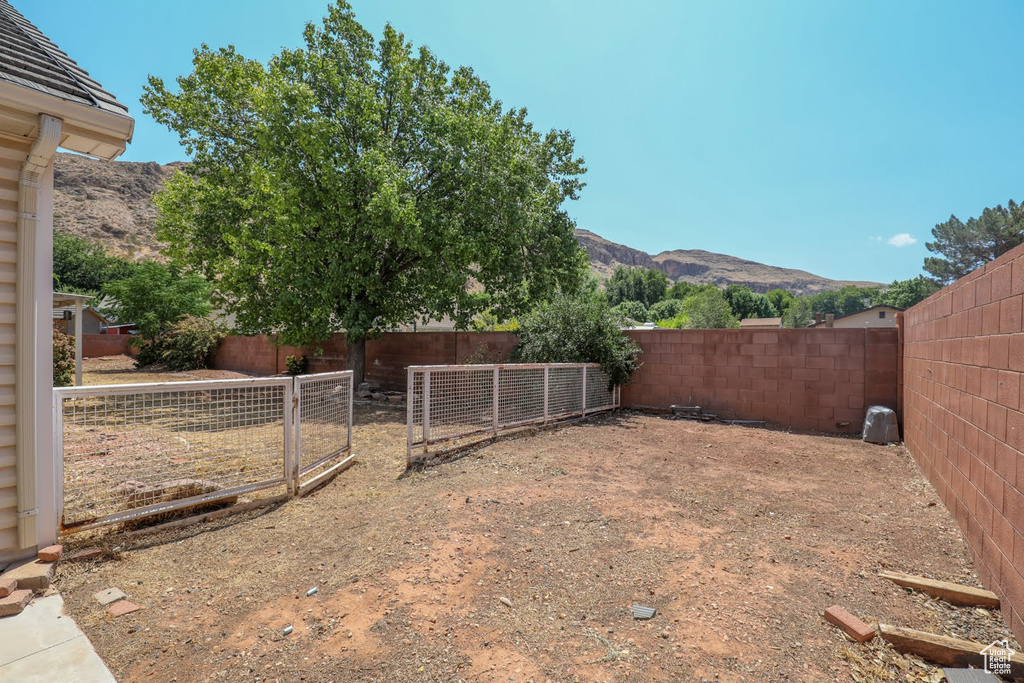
[
  {"x": 505, "y": 601},
  {"x": 50, "y": 553},
  {"x": 109, "y": 595},
  {"x": 8, "y": 586}
]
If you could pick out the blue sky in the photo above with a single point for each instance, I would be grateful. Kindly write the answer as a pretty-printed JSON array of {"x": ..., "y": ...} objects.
[{"x": 826, "y": 136}]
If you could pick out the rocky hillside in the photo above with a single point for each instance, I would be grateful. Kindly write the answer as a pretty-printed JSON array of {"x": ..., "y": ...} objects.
[
  {"x": 112, "y": 203},
  {"x": 696, "y": 265},
  {"x": 109, "y": 202}
]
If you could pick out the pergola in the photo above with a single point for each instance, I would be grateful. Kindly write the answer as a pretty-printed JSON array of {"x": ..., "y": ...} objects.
[{"x": 77, "y": 300}]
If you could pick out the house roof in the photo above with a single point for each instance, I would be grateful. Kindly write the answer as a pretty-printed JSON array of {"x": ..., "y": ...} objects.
[{"x": 30, "y": 59}]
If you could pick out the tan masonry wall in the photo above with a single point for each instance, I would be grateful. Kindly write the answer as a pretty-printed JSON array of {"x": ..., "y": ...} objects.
[{"x": 964, "y": 415}]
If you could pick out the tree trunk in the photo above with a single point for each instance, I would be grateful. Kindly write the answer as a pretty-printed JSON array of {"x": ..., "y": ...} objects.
[{"x": 357, "y": 361}]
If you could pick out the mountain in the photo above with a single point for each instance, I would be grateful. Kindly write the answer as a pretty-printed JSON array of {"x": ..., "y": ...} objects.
[
  {"x": 111, "y": 202},
  {"x": 699, "y": 266}
]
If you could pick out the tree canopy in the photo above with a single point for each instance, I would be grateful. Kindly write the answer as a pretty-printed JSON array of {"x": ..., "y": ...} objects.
[
  {"x": 155, "y": 297},
  {"x": 356, "y": 185},
  {"x": 84, "y": 267},
  {"x": 746, "y": 303},
  {"x": 963, "y": 247},
  {"x": 645, "y": 285},
  {"x": 906, "y": 293}
]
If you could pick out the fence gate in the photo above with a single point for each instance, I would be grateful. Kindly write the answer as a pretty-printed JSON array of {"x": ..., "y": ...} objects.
[
  {"x": 453, "y": 406},
  {"x": 323, "y": 426},
  {"x": 125, "y": 452}
]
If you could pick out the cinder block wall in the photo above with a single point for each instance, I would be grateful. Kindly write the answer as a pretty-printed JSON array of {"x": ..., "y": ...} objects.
[
  {"x": 817, "y": 379},
  {"x": 964, "y": 415},
  {"x": 95, "y": 345}
]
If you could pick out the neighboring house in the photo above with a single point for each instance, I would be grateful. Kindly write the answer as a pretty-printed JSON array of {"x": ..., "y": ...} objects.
[
  {"x": 46, "y": 101},
  {"x": 93, "y": 322},
  {"x": 760, "y": 323},
  {"x": 876, "y": 316}
]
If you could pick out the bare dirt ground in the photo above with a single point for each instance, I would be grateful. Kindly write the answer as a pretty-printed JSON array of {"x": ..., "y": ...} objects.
[
  {"x": 121, "y": 370},
  {"x": 520, "y": 562}
]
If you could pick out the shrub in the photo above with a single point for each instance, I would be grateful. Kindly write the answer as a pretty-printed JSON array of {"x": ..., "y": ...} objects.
[
  {"x": 63, "y": 358},
  {"x": 665, "y": 309},
  {"x": 632, "y": 310},
  {"x": 187, "y": 346},
  {"x": 296, "y": 366},
  {"x": 577, "y": 330}
]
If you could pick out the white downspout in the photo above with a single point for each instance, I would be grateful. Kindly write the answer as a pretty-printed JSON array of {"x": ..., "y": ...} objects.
[
  {"x": 26, "y": 389},
  {"x": 78, "y": 342}
]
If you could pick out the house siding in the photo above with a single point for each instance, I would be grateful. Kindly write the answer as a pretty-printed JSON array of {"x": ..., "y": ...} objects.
[{"x": 12, "y": 155}]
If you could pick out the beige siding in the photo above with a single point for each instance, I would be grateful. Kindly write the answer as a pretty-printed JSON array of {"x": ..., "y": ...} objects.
[{"x": 12, "y": 155}]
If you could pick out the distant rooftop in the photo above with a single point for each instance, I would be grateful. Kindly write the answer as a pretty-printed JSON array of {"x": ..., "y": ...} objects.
[{"x": 29, "y": 59}]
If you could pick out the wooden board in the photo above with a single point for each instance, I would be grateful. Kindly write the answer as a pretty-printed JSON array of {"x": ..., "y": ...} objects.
[
  {"x": 952, "y": 593},
  {"x": 942, "y": 649}
]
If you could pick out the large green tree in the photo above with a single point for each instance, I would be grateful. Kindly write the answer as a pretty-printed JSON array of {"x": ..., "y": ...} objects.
[
  {"x": 906, "y": 293},
  {"x": 645, "y": 285},
  {"x": 357, "y": 185},
  {"x": 963, "y": 247},
  {"x": 746, "y": 303},
  {"x": 155, "y": 297},
  {"x": 83, "y": 266}
]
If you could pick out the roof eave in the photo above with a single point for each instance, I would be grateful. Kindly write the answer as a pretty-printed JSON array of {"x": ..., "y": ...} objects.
[{"x": 86, "y": 129}]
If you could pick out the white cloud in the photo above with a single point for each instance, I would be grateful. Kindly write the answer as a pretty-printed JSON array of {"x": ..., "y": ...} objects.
[{"x": 903, "y": 239}]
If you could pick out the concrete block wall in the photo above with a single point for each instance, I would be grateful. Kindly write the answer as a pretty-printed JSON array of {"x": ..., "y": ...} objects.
[
  {"x": 96, "y": 345},
  {"x": 817, "y": 379},
  {"x": 964, "y": 415}
]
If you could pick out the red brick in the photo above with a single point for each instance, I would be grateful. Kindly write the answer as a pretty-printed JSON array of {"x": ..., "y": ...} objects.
[
  {"x": 851, "y": 625},
  {"x": 8, "y": 586},
  {"x": 15, "y": 603},
  {"x": 50, "y": 553},
  {"x": 122, "y": 607}
]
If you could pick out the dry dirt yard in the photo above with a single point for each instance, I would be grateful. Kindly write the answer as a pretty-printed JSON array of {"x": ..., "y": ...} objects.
[
  {"x": 521, "y": 560},
  {"x": 122, "y": 370}
]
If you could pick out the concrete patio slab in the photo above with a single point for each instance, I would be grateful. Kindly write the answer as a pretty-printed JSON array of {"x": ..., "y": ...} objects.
[{"x": 43, "y": 644}]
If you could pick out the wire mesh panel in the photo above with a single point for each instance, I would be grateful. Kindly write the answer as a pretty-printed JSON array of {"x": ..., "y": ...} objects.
[
  {"x": 323, "y": 424},
  {"x": 136, "y": 450},
  {"x": 599, "y": 395},
  {"x": 454, "y": 405}
]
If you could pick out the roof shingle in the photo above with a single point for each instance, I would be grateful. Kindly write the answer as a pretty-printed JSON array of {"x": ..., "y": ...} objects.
[{"x": 28, "y": 58}]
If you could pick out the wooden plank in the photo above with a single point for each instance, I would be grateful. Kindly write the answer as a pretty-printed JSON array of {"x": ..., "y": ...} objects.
[
  {"x": 952, "y": 593},
  {"x": 943, "y": 649}
]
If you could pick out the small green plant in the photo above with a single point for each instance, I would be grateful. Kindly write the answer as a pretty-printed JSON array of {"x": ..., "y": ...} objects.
[
  {"x": 63, "y": 358},
  {"x": 296, "y": 366}
]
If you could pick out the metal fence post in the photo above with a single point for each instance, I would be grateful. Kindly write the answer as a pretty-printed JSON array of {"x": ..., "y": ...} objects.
[
  {"x": 546, "y": 369},
  {"x": 426, "y": 409},
  {"x": 410, "y": 378},
  {"x": 494, "y": 419},
  {"x": 584, "y": 390},
  {"x": 291, "y": 410},
  {"x": 350, "y": 398},
  {"x": 58, "y": 457}
]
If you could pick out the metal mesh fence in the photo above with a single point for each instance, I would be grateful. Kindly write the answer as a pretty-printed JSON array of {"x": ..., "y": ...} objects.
[
  {"x": 452, "y": 405},
  {"x": 137, "y": 450},
  {"x": 323, "y": 427}
]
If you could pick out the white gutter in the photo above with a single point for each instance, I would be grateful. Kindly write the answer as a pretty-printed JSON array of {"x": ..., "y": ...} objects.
[{"x": 26, "y": 389}]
